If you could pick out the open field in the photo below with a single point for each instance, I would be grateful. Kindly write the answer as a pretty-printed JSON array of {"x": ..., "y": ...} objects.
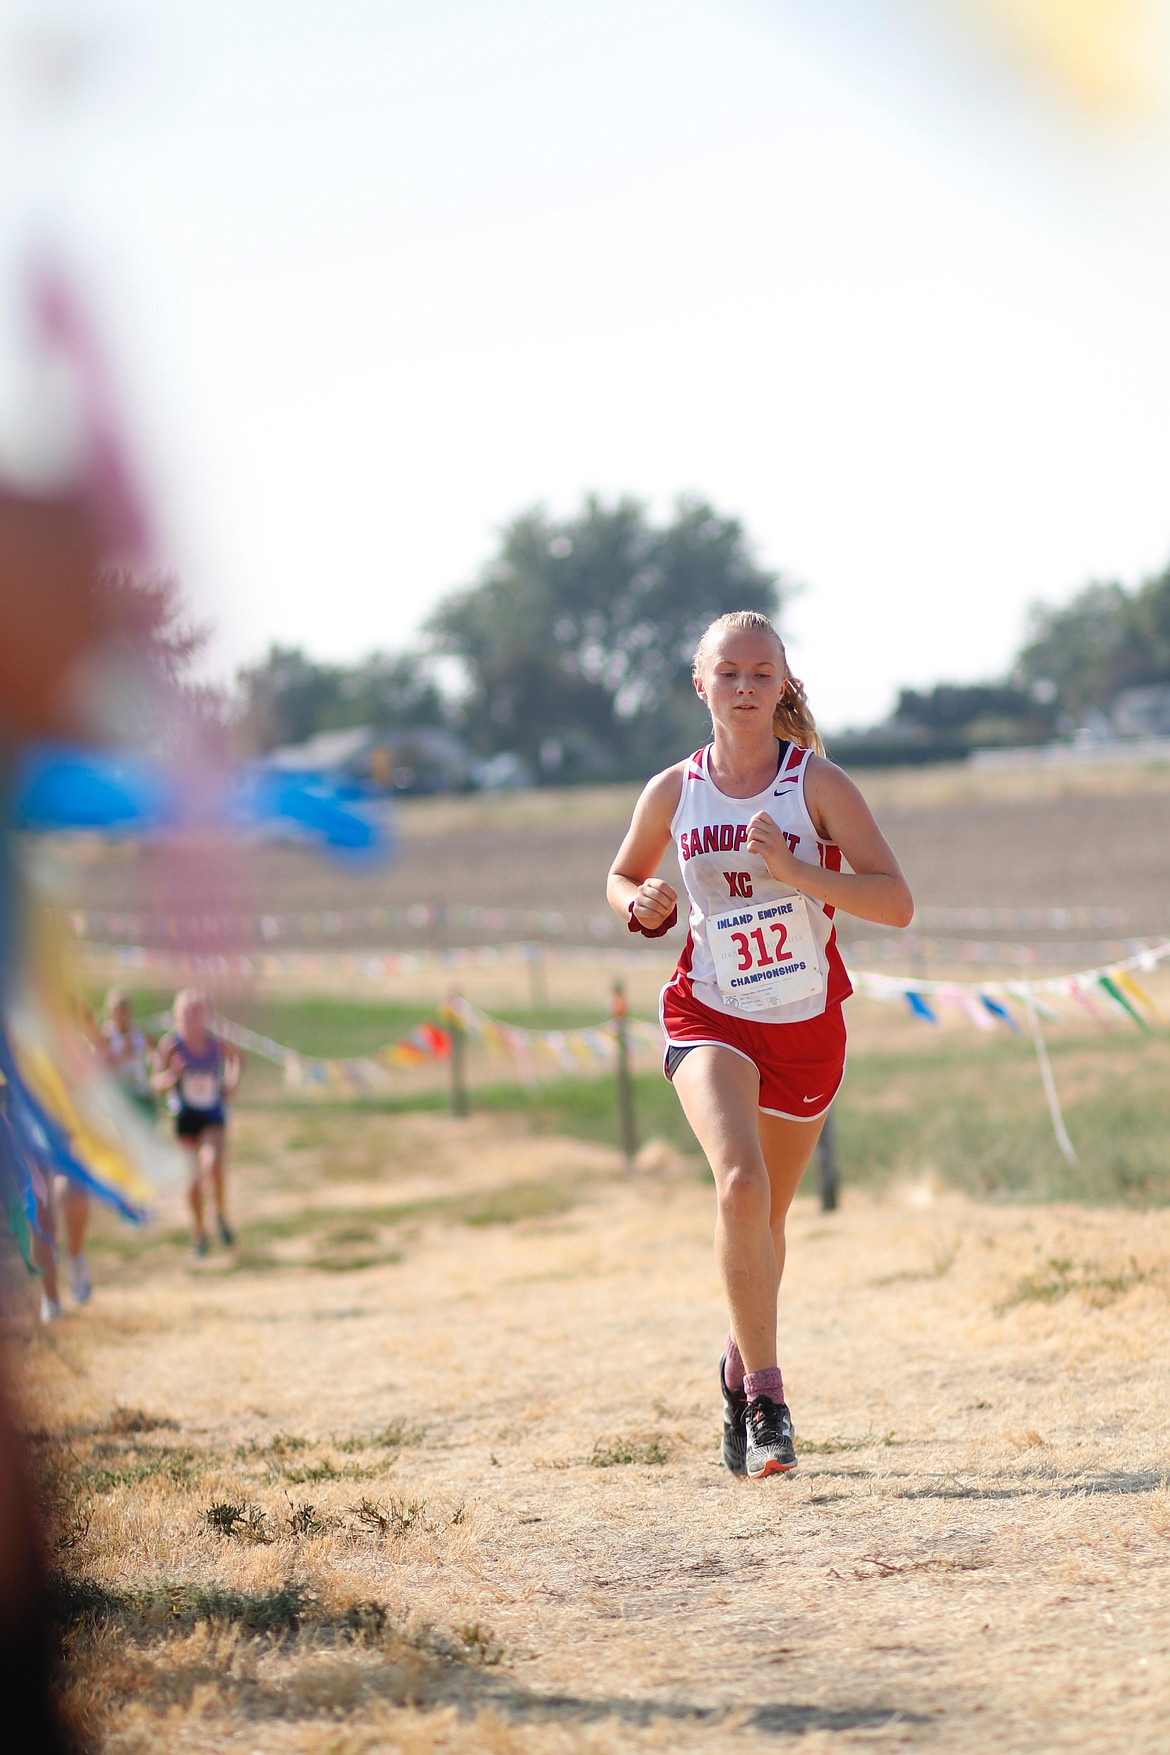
[
  {"x": 431, "y": 1462},
  {"x": 967, "y": 837}
]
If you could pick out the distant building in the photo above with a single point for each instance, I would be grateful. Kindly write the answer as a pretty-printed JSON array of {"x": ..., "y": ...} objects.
[
  {"x": 1142, "y": 712},
  {"x": 377, "y": 759}
]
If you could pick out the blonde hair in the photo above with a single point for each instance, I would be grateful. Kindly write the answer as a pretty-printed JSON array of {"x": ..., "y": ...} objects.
[
  {"x": 187, "y": 1001},
  {"x": 792, "y": 721}
]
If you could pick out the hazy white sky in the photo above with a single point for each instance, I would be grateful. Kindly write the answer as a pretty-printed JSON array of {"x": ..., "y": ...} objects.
[{"x": 375, "y": 277}]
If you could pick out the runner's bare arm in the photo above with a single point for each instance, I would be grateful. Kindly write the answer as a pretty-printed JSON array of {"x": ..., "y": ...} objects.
[
  {"x": 631, "y": 878},
  {"x": 874, "y": 888},
  {"x": 168, "y": 1065}
]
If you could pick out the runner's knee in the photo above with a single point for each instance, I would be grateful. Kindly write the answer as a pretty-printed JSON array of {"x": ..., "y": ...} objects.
[{"x": 744, "y": 1195}]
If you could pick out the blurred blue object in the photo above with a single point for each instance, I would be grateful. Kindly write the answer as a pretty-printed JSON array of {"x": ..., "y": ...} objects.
[
  {"x": 61, "y": 788},
  {"x": 263, "y": 795}
]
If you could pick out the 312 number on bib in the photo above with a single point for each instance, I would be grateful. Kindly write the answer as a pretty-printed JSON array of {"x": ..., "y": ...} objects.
[{"x": 765, "y": 954}]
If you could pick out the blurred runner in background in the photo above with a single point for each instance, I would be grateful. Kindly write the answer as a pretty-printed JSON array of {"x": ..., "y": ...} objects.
[
  {"x": 198, "y": 1073},
  {"x": 130, "y": 1052}
]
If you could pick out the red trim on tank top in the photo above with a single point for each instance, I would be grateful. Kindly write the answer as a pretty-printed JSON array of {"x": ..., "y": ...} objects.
[{"x": 831, "y": 860}]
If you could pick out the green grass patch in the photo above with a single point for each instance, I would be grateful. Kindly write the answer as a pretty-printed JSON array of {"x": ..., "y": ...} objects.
[
  {"x": 128, "y": 1242},
  {"x": 244, "y": 1522},
  {"x": 339, "y": 1261},
  {"x": 582, "y": 1108},
  {"x": 395, "y": 1435},
  {"x": 1061, "y": 1275},
  {"x": 613, "y": 1453},
  {"x": 840, "y": 1446},
  {"x": 286, "y": 1457},
  {"x": 327, "y": 1027},
  {"x": 513, "y": 1202},
  {"x": 967, "y": 1108},
  {"x": 943, "y": 1262},
  {"x": 181, "y": 1467},
  {"x": 280, "y": 1445},
  {"x": 972, "y": 1111}
]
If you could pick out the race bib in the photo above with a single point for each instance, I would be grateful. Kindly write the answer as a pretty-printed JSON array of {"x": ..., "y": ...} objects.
[
  {"x": 765, "y": 954},
  {"x": 200, "y": 1090}
]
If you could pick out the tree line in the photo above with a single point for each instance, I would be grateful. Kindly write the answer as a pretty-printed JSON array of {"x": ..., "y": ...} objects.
[
  {"x": 573, "y": 645},
  {"x": 1076, "y": 659},
  {"x": 572, "y": 649}
]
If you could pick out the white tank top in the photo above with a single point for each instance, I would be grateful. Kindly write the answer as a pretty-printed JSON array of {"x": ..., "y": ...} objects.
[{"x": 709, "y": 831}]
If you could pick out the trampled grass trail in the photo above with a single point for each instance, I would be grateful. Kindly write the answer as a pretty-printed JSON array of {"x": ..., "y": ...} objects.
[{"x": 431, "y": 1462}]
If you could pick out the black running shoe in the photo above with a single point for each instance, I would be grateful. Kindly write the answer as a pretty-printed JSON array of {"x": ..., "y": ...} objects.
[
  {"x": 770, "y": 1449},
  {"x": 734, "y": 1443},
  {"x": 226, "y": 1235}
]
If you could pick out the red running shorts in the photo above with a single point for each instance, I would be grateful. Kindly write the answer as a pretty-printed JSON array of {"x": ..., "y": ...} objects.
[{"x": 800, "y": 1065}]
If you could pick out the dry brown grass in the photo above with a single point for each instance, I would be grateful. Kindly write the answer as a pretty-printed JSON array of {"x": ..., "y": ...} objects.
[{"x": 470, "y": 1498}]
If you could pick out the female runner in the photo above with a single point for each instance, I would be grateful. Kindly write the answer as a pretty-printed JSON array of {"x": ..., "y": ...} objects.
[
  {"x": 762, "y": 825},
  {"x": 197, "y": 1074},
  {"x": 129, "y": 1052}
]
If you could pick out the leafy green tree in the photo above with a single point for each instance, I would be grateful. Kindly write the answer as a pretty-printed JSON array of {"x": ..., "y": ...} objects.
[
  {"x": 576, "y": 640},
  {"x": 288, "y": 696},
  {"x": 971, "y": 713},
  {"x": 283, "y": 697},
  {"x": 951, "y": 706},
  {"x": 388, "y": 689},
  {"x": 1107, "y": 639}
]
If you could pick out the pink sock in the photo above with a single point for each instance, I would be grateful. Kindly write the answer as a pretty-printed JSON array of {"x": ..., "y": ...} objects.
[
  {"x": 769, "y": 1383},
  {"x": 733, "y": 1365}
]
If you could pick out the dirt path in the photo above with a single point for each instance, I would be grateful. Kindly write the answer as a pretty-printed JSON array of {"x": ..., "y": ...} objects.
[{"x": 482, "y": 1466}]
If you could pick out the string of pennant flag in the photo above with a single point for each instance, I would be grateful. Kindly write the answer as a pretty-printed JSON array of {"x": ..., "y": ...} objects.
[
  {"x": 1019, "y": 1005},
  {"x": 947, "y": 953},
  {"x": 535, "y": 1053},
  {"x": 263, "y": 929},
  {"x": 592, "y": 1049},
  {"x": 270, "y": 927},
  {"x": 365, "y": 965},
  {"x": 1104, "y": 994},
  {"x": 379, "y": 965}
]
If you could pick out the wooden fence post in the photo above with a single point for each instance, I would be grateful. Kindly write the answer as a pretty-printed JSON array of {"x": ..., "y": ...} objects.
[
  {"x": 459, "y": 1103},
  {"x": 625, "y": 1089},
  {"x": 827, "y": 1165},
  {"x": 538, "y": 986}
]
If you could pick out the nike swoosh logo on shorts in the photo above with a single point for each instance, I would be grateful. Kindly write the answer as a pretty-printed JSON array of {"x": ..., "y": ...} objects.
[{"x": 812, "y": 1099}]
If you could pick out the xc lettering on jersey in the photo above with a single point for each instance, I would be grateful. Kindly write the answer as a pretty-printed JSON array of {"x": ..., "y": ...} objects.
[{"x": 739, "y": 883}]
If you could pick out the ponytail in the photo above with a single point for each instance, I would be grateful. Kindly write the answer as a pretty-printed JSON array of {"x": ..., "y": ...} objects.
[{"x": 793, "y": 718}]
